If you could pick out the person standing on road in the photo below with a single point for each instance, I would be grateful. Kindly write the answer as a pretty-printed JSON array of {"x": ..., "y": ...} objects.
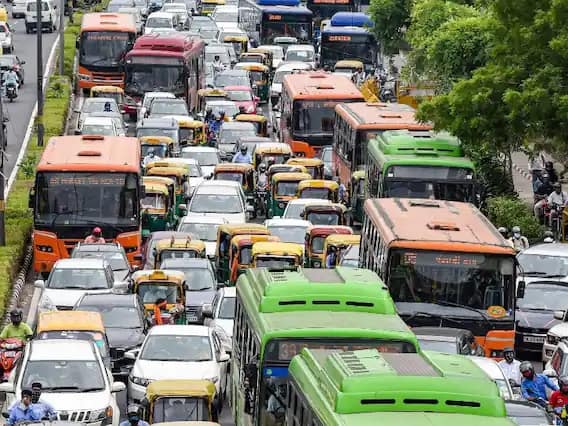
[{"x": 511, "y": 366}]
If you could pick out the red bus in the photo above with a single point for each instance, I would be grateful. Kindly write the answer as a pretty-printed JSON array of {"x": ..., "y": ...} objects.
[
  {"x": 166, "y": 63},
  {"x": 357, "y": 123},
  {"x": 83, "y": 182},
  {"x": 308, "y": 102}
]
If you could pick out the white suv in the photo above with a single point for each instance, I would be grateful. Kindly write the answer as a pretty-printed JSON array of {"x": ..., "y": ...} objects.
[
  {"x": 48, "y": 16},
  {"x": 74, "y": 381}
]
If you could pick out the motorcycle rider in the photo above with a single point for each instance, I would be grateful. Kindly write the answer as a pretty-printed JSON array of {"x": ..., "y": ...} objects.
[
  {"x": 331, "y": 258},
  {"x": 45, "y": 408},
  {"x": 218, "y": 65},
  {"x": 503, "y": 231},
  {"x": 556, "y": 200},
  {"x": 559, "y": 399},
  {"x": 533, "y": 386},
  {"x": 215, "y": 125},
  {"x": 24, "y": 410},
  {"x": 243, "y": 156},
  {"x": 511, "y": 366},
  {"x": 17, "y": 328},
  {"x": 262, "y": 179},
  {"x": 11, "y": 79},
  {"x": 551, "y": 171},
  {"x": 133, "y": 417},
  {"x": 150, "y": 157},
  {"x": 541, "y": 194},
  {"x": 96, "y": 236},
  {"x": 342, "y": 192},
  {"x": 519, "y": 241}
]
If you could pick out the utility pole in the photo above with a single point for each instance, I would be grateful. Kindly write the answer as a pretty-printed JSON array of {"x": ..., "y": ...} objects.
[
  {"x": 2, "y": 183},
  {"x": 61, "y": 39},
  {"x": 39, "y": 75}
]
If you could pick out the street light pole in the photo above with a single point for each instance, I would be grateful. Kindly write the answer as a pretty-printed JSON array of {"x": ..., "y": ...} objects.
[
  {"x": 61, "y": 39},
  {"x": 2, "y": 180},
  {"x": 39, "y": 75}
]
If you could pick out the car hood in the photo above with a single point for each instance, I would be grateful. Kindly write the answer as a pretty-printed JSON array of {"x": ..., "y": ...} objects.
[
  {"x": 207, "y": 170},
  {"x": 276, "y": 87},
  {"x": 76, "y": 401},
  {"x": 125, "y": 338},
  {"x": 542, "y": 320},
  {"x": 158, "y": 370},
  {"x": 198, "y": 298},
  {"x": 559, "y": 330},
  {"x": 229, "y": 217},
  {"x": 68, "y": 297}
]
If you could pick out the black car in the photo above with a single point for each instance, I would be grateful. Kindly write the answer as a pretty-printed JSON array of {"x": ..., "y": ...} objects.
[
  {"x": 125, "y": 324},
  {"x": 448, "y": 340},
  {"x": 201, "y": 285},
  {"x": 113, "y": 253},
  {"x": 535, "y": 311},
  {"x": 527, "y": 413}
]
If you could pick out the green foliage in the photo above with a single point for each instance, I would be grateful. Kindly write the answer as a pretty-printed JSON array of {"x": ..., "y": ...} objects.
[
  {"x": 509, "y": 212},
  {"x": 391, "y": 19}
]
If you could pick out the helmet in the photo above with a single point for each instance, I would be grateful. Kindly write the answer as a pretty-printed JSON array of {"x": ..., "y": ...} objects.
[
  {"x": 509, "y": 354},
  {"x": 16, "y": 315},
  {"x": 133, "y": 410},
  {"x": 548, "y": 165},
  {"x": 526, "y": 366},
  {"x": 556, "y": 185},
  {"x": 244, "y": 149},
  {"x": 516, "y": 230},
  {"x": 221, "y": 113},
  {"x": 262, "y": 167},
  {"x": 502, "y": 230},
  {"x": 97, "y": 231}
]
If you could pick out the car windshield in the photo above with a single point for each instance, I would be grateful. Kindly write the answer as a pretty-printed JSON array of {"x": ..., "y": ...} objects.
[
  {"x": 177, "y": 348},
  {"x": 299, "y": 55},
  {"x": 279, "y": 76},
  {"x": 77, "y": 278},
  {"x": 149, "y": 131},
  {"x": 294, "y": 211},
  {"x": 203, "y": 158},
  {"x": 152, "y": 292},
  {"x": 98, "y": 129},
  {"x": 226, "y": 79},
  {"x": 198, "y": 278},
  {"x": 223, "y": 56},
  {"x": 350, "y": 257},
  {"x": 232, "y": 176},
  {"x": 289, "y": 234},
  {"x": 154, "y": 22},
  {"x": 117, "y": 260},
  {"x": 544, "y": 297},
  {"x": 230, "y": 109},
  {"x": 64, "y": 376},
  {"x": 179, "y": 409},
  {"x": 543, "y": 265},
  {"x": 202, "y": 231},
  {"x": 98, "y": 106},
  {"x": 240, "y": 95},
  {"x": 227, "y": 308},
  {"x": 216, "y": 203},
  {"x": 438, "y": 346},
  {"x": 168, "y": 107},
  {"x": 328, "y": 218},
  {"x": 230, "y": 136},
  {"x": 226, "y": 17},
  {"x": 116, "y": 316}
]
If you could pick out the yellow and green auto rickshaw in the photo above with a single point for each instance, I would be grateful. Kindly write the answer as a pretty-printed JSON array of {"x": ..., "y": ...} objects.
[
  {"x": 315, "y": 166},
  {"x": 348, "y": 66},
  {"x": 319, "y": 188},
  {"x": 206, "y": 7},
  {"x": 180, "y": 400},
  {"x": 157, "y": 208},
  {"x": 191, "y": 132},
  {"x": 277, "y": 153},
  {"x": 315, "y": 239},
  {"x": 206, "y": 95},
  {"x": 163, "y": 146},
  {"x": 259, "y": 121},
  {"x": 179, "y": 174},
  {"x": 326, "y": 214},
  {"x": 277, "y": 255},
  {"x": 178, "y": 248},
  {"x": 283, "y": 188},
  {"x": 240, "y": 255},
  {"x": 344, "y": 250},
  {"x": 113, "y": 92},
  {"x": 239, "y": 42},
  {"x": 284, "y": 168},
  {"x": 268, "y": 55},
  {"x": 238, "y": 172},
  {"x": 357, "y": 196},
  {"x": 260, "y": 75},
  {"x": 169, "y": 183},
  {"x": 225, "y": 234}
]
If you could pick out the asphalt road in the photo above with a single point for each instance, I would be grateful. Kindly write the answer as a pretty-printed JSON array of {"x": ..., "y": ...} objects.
[{"x": 19, "y": 111}]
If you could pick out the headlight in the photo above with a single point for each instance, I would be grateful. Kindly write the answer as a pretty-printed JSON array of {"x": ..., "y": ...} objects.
[
  {"x": 84, "y": 76},
  {"x": 552, "y": 339},
  {"x": 100, "y": 414},
  {"x": 317, "y": 264},
  {"x": 140, "y": 381},
  {"x": 46, "y": 304},
  {"x": 45, "y": 249}
]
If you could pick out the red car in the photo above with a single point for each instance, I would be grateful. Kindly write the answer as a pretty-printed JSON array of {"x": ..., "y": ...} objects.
[{"x": 243, "y": 96}]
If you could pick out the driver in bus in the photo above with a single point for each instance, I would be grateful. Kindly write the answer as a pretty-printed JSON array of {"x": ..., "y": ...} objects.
[{"x": 276, "y": 402}]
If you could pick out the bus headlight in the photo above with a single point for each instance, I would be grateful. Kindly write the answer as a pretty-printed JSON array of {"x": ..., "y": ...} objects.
[
  {"x": 85, "y": 77},
  {"x": 45, "y": 249}
]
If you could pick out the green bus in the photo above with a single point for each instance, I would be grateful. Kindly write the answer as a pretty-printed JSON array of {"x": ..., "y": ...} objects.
[
  {"x": 419, "y": 164},
  {"x": 278, "y": 313},
  {"x": 369, "y": 388}
]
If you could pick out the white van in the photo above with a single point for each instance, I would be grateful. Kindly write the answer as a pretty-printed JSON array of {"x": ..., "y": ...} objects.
[
  {"x": 160, "y": 21},
  {"x": 48, "y": 16}
]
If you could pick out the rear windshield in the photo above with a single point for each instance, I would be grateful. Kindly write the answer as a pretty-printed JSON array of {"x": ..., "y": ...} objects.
[{"x": 32, "y": 6}]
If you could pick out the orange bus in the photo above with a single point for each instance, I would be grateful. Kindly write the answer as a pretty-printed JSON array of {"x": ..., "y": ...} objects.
[
  {"x": 359, "y": 122},
  {"x": 103, "y": 41},
  {"x": 308, "y": 102},
  {"x": 83, "y": 182},
  {"x": 445, "y": 265}
]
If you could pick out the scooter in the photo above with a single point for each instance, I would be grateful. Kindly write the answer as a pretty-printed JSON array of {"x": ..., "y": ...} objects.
[
  {"x": 10, "y": 352},
  {"x": 11, "y": 91}
]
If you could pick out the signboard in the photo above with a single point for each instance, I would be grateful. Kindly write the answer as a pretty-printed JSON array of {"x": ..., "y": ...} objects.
[
  {"x": 107, "y": 36},
  {"x": 155, "y": 60},
  {"x": 465, "y": 260},
  {"x": 90, "y": 179}
]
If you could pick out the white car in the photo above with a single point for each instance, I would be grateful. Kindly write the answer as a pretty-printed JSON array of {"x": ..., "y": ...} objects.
[
  {"x": 277, "y": 54},
  {"x": 554, "y": 336},
  {"x": 295, "y": 208},
  {"x": 204, "y": 228},
  {"x": 148, "y": 97},
  {"x": 19, "y": 8},
  {"x": 74, "y": 381},
  {"x": 492, "y": 369},
  {"x": 207, "y": 157},
  {"x": 196, "y": 176},
  {"x": 137, "y": 15},
  {"x": 219, "y": 198},
  {"x": 6, "y": 39},
  {"x": 104, "y": 126},
  {"x": 70, "y": 279},
  {"x": 301, "y": 53},
  {"x": 289, "y": 230},
  {"x": 283, "y": 70},
  {"x": 48, "y": 17},
  {"x": 221, "y": 312},
  {"x": 161, "y": 21},
  {"x": 179, "y": 9},
  {"x": 191, "y": 352}
]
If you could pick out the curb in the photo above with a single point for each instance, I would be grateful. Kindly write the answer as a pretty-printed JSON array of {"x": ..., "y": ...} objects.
[{"x": 523, "y": 172}]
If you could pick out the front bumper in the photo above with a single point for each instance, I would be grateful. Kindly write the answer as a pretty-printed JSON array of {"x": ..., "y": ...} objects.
[{"x": 136, "y": 393}]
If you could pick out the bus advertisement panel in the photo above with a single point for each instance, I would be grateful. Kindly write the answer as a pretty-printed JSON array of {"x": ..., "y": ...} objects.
[{"x": 103, "y": 41}]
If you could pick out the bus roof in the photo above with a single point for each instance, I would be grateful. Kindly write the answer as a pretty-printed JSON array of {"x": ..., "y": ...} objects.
[
  {"x": 380, "y": 116},
  {"x": 435, "y": 225},
  {"x": 157, "y": 44},
  {"x": 106, "y": 21},
  {"x": 403, "y": 142},
  {"x": 345, "y": 30},
  {"x": 287, "y": 10},
  {"x": 367, "y": 381},
  {"x": 91, "y": 153},
  {"x": 351, "y": 19},
  {"x": 278, "y": 2},
  {"x": 416, "y": 419},
  {"x": 319, "y": 85}
]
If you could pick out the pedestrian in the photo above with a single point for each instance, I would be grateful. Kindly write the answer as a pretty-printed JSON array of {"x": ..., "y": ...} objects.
[{"x": 537, "y": 164}]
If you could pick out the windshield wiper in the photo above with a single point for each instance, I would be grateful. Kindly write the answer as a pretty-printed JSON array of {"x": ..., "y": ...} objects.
[
  {"x": 469, "y": 308},
  {"x": 533, "y": 273},
  {"x": 200, "y": 289},
  {"x": 61, "y": 388},
  {"x": 433, "y": 315},
  {"x": 92, "y": 389}
]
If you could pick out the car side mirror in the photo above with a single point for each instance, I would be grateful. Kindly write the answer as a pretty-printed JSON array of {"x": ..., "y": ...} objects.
[
  {"x": 7, "y": 387},
  {"x": 550, "y": 373},
  {"x": 132, "y": 354},
  {"x": 559, "y": 315},
  {"x": 224, "y": 357},
  {"x": 39, "y": 284},
  {"x": 521, "y": 289},
  {"x": 117, "y": 387},
  {"x": 207, "y": 310}
]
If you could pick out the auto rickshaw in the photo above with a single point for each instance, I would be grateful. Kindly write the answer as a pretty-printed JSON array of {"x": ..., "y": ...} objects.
[
  {"x": 319, "y": 188},
  {"x": 315, "y": 239},
  {"x": 174, "y": 400},
  {"x": 279, "y": 153},
  {"x": 240, "y": 43},
  {"x": 191, "y": 132},
  {"x": 357, "y": 196},
  {"x": 283, "y": 188},
  {"x": 179, "y": 175},
  {"x": 225, "y": 234},
  {"x": 284, "y": 168},
  {"x": 155, "y": 284},
  {"x": 259, "y": 121},
  {"x": 339, "y": 244},
  {"x": 348, "y": 66},
  {"x": 240, "y": 255},
  {"x": 277, "y": 255},
  {"x": 163, "y": 146},
  {"x": 206, "y": 95},
  {"x": 157, "y": 208},
  {"x": 237, "y": 172},
  {"x": 326, "y": 214},
  {"x": 268, "y": 55},
  {"x": 178, "y": 248},
  {"x": 260, "y": 75},
  {"x": 113, "y": 92},
  {"x": 315, "y": 166}
]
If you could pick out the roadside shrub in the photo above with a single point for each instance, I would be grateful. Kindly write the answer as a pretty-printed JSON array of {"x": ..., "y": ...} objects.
[{"x": 509, "y": 212}]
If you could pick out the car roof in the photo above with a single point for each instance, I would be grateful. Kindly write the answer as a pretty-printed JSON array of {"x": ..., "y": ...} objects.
[
  {"x": 300, "y": 47},
  {"x": 233, "y": 72},
  {"x": 180, "y": 264},
  {"x": 98, "y": 248},
  {"x": 159, "y": 122},
  {"x": 98, "y": 120},
  {"x": 160, "y": 15},
  {"x": 80, "y": 263},
  {"x": 307, "y": 201},
  {"x": 287, "y": 222},
  {"x": 168, "y": 100},
  {"x": 551, "y": 249},
  {"x": 202, "y": 219},
  {"x": 61, "y": 349},
  {"x": 159, "y": 94},
  {"x": 241, "y": 125},
  {"x": 180, "y": 330},
  {"x": 218, "y": 187},
  {"x": 199, "y": 149},
  {"x": 109, "y": 299}
]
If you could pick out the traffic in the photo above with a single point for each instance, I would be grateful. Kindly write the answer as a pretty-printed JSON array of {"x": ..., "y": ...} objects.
[{"x": 247, "y": 224}]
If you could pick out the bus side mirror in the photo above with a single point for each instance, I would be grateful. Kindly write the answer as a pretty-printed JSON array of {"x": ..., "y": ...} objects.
[
  {"x": 142, "y": 191},
  {"x": 521, "y": 289},
  {"x": 31, "y": 200},
  {"x": 77, "y": 43}
]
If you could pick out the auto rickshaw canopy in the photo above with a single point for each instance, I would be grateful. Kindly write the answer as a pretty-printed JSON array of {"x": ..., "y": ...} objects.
[
  {"x": 70, "y": 320},
  {"x": 284, "y": 168},
  {"x": 331, "y": 186},
  {"x": 342, "y": 240},
  {"x": 179, "y": 173},
  {"x": 156, "y": 140},
  {"x": 159, "y": 276},
  {"x": 179, "y": 245},
  {"x": 198, "y": 388},
  {"x": 277, "y": 249},
  {"x": 348, "y": 64},
  {"x": 228, "y": 231},
  {"x": 315, "y": 166}
]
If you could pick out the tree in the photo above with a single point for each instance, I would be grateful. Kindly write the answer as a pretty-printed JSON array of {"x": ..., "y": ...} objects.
[{"x": 391, "y": 19}]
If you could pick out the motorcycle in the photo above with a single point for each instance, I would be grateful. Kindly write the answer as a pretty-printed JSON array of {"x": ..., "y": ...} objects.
[
  {"x": 11, "y": 91},
  {"x": 260, "y": 197},
  {"x": 11, "y": 350}
]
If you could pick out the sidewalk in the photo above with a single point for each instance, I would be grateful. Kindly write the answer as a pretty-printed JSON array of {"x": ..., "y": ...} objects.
[{"x": 522, "y": 177}]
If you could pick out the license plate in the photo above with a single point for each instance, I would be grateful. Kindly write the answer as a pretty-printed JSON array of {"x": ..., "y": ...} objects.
[
  {"x": 533, "y": 339},
  {"x": 192, "y": 318},
  {"x": 10, "y": 354}
]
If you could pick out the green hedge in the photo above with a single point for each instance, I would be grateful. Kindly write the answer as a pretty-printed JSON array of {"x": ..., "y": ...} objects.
[{"x": 509, "y": 212}]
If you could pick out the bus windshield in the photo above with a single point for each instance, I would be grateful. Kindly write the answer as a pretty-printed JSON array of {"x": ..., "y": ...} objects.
[
  {"x": 79, "y": 198},
  {"x": 104, "y": 48},
  {"x": 322, "y": 10},
  {"x": 474, "y": 280},
  {"x": 164, "y": 74},
  {"x": 272, "y": 29},
  {"x": 333, "y": 51},
  {"x": 314, "y": 118}
]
